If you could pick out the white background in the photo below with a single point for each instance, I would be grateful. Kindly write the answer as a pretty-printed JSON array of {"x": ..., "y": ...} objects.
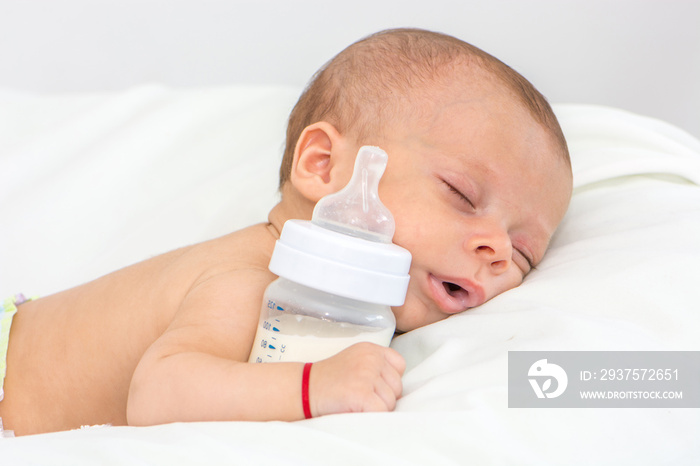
[{"x": 639, "y": 55}]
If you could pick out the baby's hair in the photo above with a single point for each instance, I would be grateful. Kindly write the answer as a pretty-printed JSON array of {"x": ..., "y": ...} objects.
[{"x": 370, "y": 82}]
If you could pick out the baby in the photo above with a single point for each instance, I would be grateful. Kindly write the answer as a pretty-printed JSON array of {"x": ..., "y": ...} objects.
[{"x": 478, "y": 180}]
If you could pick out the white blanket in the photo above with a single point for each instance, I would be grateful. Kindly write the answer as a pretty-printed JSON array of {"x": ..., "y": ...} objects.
[{"x": 94, "y": 182}]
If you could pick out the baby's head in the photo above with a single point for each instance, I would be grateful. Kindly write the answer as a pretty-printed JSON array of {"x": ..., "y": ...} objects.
[{"x": 479, "y": 174}]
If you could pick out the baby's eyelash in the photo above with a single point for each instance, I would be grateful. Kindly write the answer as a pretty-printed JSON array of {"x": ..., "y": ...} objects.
[
  {"x": 527, "y": 259},
  {"x": 459, "y": 193}
]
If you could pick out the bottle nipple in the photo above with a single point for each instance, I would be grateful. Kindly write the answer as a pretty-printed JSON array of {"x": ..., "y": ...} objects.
[{"x": 356, "y": 209}]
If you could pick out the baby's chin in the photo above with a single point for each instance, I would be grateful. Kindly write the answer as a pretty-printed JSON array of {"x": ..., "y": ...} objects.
[{"x": 415, "y": 314}]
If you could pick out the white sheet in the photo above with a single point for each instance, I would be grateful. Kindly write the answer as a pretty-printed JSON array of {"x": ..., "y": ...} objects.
[{"x": 94, "y": 182}]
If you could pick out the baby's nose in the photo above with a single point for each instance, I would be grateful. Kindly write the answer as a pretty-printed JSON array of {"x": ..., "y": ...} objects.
[{"x": 493, "y": 248}]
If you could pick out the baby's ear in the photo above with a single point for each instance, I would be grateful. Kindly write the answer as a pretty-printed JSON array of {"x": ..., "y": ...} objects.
[{"x": 321, "y": 160}]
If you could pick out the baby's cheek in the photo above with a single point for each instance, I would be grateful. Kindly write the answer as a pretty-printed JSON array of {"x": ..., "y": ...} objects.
[
  {"x": 414, "y": 234},
  {"x": 509, "y": 282}
]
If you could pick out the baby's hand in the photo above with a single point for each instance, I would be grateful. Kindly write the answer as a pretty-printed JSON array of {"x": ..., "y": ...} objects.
[{"x": 364, "y": 377}]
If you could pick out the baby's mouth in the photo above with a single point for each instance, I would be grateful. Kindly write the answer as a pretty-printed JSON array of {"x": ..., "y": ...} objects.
[
  {"x": 455, "y": 290},
  {"x": 453, "y": 297}
]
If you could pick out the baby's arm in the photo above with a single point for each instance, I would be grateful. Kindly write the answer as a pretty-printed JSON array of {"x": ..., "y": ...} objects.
[{"x": 197, "y": 370}]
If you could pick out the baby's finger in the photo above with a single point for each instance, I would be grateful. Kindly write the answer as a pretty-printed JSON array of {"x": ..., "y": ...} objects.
[
  {"x": 395, "y": 359},
  {"x": 387, "y": 396},
  {"x": 392, "y": 378}
]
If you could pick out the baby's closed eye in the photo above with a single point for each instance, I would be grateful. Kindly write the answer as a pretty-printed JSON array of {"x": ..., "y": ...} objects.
[{"x": 460, "y": 195}]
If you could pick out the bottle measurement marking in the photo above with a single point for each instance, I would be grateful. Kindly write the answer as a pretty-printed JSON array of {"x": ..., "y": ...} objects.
[{"x": 290, "y": 338}]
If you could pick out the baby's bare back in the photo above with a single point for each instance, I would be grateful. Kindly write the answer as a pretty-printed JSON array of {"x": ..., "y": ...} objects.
[{"x": 72, "y": 355}]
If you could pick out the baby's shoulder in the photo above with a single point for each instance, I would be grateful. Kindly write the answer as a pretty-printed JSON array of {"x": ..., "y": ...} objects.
[
  {"x": 229, "y": 271},
  {"x": 248, "y": 249}
]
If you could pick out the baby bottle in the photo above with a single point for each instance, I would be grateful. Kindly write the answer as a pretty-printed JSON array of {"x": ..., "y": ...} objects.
[{"x": 338, "y": 274}]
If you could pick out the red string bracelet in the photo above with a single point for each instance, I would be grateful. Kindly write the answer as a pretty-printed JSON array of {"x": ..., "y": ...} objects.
[{"x": 305, "y": 390}]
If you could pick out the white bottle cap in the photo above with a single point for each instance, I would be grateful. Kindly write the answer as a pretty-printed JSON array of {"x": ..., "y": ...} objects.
[
  {"x": 346, "y": 249},
  {"x": 340, "y": 264}
]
